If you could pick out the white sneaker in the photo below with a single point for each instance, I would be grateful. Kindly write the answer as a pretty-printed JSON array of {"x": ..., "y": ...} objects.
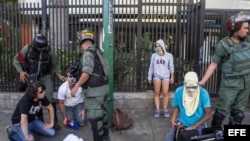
[
  {"x": 166, "y": 113},
  {"x": 157, "y": 113}
]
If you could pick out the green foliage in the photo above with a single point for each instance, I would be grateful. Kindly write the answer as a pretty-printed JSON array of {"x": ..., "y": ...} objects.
[
  {"x": 9, "y": 1},
  {"x": 146, "y": 43},
  {"x": 7, "y": 70},
  {"x": 182, "y": 64},
  {"x": 66, "y": 57},
  {"x": 125, "y": 67},
  {"x": 147, "y": 49}
]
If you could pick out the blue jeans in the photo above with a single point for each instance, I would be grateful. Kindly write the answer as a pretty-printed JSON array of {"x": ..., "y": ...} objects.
[
  {"x": 73, "y": 113},
  {"x": 36, "y": 126},
  {"x": 171, "y": 134}
]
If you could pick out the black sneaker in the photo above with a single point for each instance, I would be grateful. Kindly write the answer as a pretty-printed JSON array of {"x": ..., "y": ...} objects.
[
  {"x": 9, "y": 130},
  {"x": 57, "y": 127}
]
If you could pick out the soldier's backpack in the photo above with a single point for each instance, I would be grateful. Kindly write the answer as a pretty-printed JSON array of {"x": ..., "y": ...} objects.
[
  {"x": 102, "y": 59},
  {"x": 101, "y": 70}
]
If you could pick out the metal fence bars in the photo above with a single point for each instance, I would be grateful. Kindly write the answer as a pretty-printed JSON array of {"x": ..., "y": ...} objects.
[{"x": 189, "y": 32}]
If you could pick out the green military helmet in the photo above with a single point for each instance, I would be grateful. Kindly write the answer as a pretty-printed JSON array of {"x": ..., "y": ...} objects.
[
  {"x": 86, "y": 34},
  {"x": 234, "y": 22}
]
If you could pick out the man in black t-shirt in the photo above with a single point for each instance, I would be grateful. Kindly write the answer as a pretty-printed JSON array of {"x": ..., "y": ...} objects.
[{"x": 24, "y": 118}]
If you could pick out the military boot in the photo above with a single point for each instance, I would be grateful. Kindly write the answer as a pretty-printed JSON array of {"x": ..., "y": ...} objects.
[{"x": 217, "y": 119}]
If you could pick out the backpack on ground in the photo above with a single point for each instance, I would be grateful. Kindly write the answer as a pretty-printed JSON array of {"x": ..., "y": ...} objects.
[{"x": 120, "y": 120}]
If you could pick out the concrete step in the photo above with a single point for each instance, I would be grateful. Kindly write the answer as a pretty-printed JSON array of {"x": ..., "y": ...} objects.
[
  {"x": 126, "y": 101},
  {"x": 137, "y": 101}
]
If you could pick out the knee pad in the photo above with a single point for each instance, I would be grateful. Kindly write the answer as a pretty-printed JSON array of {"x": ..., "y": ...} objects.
[
  {"x": 93, "y": 123},
  {"x": 218, "y": 115},
  {"x": 237, "y": 117}
]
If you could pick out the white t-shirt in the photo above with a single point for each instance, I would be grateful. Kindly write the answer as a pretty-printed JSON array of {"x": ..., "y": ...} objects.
[{"x": 64, "y": 94}]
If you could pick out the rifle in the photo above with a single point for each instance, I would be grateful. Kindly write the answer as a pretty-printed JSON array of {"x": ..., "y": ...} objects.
[{"x": 74, "y": 69}]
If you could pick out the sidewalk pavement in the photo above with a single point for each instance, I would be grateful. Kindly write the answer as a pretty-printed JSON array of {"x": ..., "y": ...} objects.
[{"x": 145, "y": 128}]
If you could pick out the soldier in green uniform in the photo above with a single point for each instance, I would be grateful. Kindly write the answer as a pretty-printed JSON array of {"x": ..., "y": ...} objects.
[
  {"x": 233, "y": 55},
  {"x": 97, "y": 89},
  {"x": 40, "y": 60}
]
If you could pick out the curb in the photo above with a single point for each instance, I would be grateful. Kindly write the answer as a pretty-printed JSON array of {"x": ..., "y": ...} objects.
[{"x": 138, "y": 101}]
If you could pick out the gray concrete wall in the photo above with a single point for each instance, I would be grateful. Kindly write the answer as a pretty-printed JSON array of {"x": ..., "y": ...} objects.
[{"x": 136, "y": 101}]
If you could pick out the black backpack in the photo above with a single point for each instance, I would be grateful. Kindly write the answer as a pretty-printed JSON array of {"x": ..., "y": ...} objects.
[{"x": 101, "y": 70}]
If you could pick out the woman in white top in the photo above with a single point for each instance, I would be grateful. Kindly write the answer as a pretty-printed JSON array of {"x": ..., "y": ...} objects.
[{"x": 161, "y": 70}]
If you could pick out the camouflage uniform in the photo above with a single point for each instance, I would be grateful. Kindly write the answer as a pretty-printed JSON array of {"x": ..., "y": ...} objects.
[
  {"x": 233, "y": 91},
  {"x": 95, "y": 100}
]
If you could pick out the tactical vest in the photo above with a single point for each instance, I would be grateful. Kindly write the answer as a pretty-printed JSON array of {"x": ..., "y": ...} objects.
[
  {"x": 98, "y": 77},
  {"x": 35, "y": 57},
  {"x": 238, "y": 62}
]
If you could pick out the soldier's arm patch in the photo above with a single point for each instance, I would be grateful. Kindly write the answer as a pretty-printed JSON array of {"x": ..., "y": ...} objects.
[{"x": 87, "y": 61}]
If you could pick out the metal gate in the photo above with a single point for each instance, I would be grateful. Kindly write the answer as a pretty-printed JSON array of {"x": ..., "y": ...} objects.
[{"x": 137, "y": 25}]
